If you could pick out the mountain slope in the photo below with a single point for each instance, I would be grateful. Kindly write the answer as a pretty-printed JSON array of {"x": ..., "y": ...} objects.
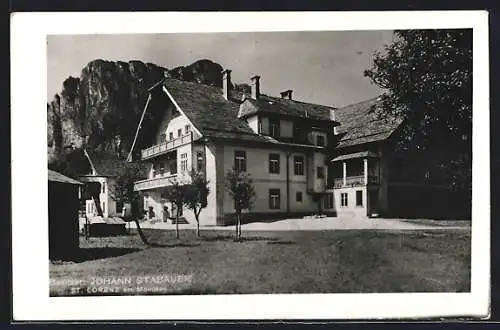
[{"x": 100, "y": 109}]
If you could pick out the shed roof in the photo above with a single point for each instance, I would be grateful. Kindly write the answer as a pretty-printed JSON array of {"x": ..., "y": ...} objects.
[
  {"x": 360, "y": 154},
  {"x": 58, "y": 177}
]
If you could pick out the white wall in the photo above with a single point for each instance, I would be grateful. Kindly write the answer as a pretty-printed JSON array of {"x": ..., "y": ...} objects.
[
  {"x": 351, "y": 208},
  {"x": 286, "y": 128},
  {"x": 106, "y": 197},
  {"x": 258, "y": 168},
  {"x": 253, "y": 122},
  {"x": 177, "y": 123}
]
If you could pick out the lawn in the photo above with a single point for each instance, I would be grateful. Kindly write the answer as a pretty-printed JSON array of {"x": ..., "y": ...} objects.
[{"x": 344, "y": 261}]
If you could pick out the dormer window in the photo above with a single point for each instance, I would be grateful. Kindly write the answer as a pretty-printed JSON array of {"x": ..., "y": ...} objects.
[{"x": 274, "y": 127}]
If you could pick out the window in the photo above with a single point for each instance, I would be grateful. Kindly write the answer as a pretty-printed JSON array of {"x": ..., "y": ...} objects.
[
  {"x": 170, "y": 136},
  {"x": 240, "y": 160},
  {"x": 274, "y": 127},
  {"x": 298, "y": 196},
  {"x": 199, "y": 161},
  {"x": 163, "y": 137},
  {"x": 359, "y": 198},
  {"x": 298, "y": 168},
  {"x": 343, "y": 199},
  {"x": 320, "y": 140},
  {"x": 184, "y": 162},
  {"x": 274, "y": 163},
  {"x": 119, "y": 206},
  {"x": 162, "y": 168},
  {"x": 187, "y": 129},
  {"x": 179, "y": 132},
  {"x": 320, "y": 172},
  {"x": 329, "y": 201},
  {"x": 155, "y": 169},
  {"x": 274, "y": 199},
  {"x": 103, "y": 187},
  {"x": 172, "y": 166}
]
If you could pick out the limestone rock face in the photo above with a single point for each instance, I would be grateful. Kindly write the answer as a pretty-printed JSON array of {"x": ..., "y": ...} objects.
[{"x": 100, "y": 109}]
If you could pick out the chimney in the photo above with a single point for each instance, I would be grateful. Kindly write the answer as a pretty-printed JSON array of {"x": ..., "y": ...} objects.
[
  {"x": 226, "y": 83},
  {"x": 332, "y": 114},
  {"x": 332, "y": 118},
  {"x": 255, "y": 87},
  {"x": 286, "y": 94}
]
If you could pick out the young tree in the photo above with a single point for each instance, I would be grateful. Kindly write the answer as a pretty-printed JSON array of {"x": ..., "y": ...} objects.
[
  {"x": 427, "y": 79},
  {"x": 240, "y": 187},
  {"x": 124, "y": 192},
  {"x": 176, "y": 193},
  {"x": 196, "y": 196}
]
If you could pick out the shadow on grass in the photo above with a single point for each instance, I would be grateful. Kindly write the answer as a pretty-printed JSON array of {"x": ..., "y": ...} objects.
[
  {"x": 240, "y": 240},
  {"x": 173, "y": 245},
  {"x": 216, "y": 238},
  {"x": 282, "y": 242},
  {"x": 254, "y": 238},
  {"x": 87, "y": 254}
]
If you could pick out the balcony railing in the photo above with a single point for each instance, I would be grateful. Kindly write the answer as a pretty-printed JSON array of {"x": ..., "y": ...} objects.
[
  {"x": 166, "y": 146},
  {"x": 354, "y": 181},
  {"x": 154, "y": 183}
]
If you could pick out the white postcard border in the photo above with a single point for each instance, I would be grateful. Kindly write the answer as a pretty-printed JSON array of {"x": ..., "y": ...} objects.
[{"x": 31, "y": 299}]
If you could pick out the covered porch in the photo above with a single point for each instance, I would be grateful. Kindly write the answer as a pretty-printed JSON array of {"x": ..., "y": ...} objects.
[{"x": 355, "y": 169}]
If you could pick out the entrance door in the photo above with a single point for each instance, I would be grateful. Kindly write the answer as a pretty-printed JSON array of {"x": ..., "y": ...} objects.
[{"x": 373, "y": 205}]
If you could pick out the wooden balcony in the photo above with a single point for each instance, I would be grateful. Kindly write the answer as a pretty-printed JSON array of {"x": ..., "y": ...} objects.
[
  {"x": 158, "y": 182},
  {"x": 166, "y": 146},
  {"x": 355, "y": 181}
]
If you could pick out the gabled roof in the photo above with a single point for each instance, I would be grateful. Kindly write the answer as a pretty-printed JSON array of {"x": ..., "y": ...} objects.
[
  {"x": 104, "y": 163},
  {"x": 209, "y": 111},
  {"x": 360, "y": 123},
  {"x": 286, "y": 107},
  {"x": 58, "y": 177},
  {"x": 109, "y": 165}
]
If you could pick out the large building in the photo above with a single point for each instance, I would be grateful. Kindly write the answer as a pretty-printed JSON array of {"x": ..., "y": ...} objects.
[{"x": 303, "y": 158}]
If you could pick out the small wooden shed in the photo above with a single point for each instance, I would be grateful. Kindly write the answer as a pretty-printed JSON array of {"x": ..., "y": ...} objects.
[{"x": 63, "y": 205}]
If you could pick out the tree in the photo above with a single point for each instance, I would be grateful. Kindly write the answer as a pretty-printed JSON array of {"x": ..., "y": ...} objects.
[
  {"x": 240, "y": 187},
  {"x": 124, "y": 192},
  {"x": 427, "y": 79},
  {"x": 176, "y": 193},
  {"x": 196, "y": 196}
]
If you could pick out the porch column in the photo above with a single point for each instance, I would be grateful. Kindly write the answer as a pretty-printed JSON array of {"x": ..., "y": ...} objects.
[
  {"x": 366, "y": 170},
  {"x": 344, "y": 173}
]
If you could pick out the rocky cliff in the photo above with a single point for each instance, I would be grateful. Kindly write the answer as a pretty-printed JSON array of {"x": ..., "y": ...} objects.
[{"x": 100, "y": 109}]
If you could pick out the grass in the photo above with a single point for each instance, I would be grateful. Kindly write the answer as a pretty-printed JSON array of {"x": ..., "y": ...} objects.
[{"x": 344, "y": 261}]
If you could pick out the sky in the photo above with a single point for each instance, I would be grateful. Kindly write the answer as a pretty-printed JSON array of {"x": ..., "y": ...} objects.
[{"x": 324, "y": 67}]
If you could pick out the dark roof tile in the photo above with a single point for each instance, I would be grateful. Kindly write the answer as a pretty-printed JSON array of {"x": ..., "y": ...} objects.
[{"x": 360, "y": 123}]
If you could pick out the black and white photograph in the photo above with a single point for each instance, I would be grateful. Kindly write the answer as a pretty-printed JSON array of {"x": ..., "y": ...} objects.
[{"x": 260, "y": 163}]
